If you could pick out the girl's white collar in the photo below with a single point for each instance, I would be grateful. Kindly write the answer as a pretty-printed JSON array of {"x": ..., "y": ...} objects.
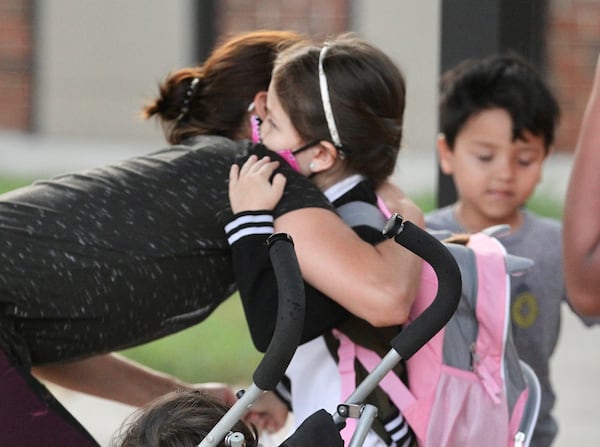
[{"x": 342, "y": 187}]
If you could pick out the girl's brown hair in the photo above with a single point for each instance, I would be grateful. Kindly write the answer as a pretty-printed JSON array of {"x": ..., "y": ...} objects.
[
  {"x": 367, "y": 92},
  {"x": 227, "y": 82}
]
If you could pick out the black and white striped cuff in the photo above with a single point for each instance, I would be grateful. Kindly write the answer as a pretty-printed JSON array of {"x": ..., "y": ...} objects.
[{"x": 248, "y": 223}]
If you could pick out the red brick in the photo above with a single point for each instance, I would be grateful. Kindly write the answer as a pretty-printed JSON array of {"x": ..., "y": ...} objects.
[{"x": 15, "y": 64}]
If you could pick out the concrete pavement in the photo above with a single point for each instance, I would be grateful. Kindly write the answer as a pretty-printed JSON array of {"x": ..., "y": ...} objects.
[
  {"x": 575, "y": 372},
  {"x": 576, "y": 364}
]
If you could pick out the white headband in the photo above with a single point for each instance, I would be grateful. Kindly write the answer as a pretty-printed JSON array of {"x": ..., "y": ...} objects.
[{"x": 326, "y": 101}]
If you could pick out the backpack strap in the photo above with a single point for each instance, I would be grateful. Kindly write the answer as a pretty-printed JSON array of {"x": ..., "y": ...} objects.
[
  {"x": 358, "y": 213},
  {"x": 397, "y": 391}
]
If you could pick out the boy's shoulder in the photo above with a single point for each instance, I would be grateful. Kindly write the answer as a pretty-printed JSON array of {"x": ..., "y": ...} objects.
[
  {"x": 442, "y": 219},
  {"x": 541, "y": 224},
  {"x": 538, "y": 236}
]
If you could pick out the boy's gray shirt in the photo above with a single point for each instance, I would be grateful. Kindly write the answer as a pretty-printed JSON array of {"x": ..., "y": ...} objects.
[{"x": 536, "y": 299}]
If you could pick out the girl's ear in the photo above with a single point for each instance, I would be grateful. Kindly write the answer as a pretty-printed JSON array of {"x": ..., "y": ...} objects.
[
  {"x": 260, "y": 104},
  {"x": 324, "y": 158},
  {"x": 445, "y": 154}
]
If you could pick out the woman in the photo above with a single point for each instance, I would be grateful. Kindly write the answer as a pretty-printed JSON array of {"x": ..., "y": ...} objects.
[{"x": 116, "y": 256}]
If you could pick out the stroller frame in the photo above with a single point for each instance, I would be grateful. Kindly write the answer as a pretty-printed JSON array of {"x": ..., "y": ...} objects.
[{"x": 290, "y": 317}]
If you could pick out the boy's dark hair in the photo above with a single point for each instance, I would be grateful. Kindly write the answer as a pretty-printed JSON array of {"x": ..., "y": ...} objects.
[
  {"x": 504, "y": 81},
  {"x": 178, "y": 419}
]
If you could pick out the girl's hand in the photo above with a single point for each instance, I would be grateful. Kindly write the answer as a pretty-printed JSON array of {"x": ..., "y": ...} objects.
[{"x": 250, "y": 188}]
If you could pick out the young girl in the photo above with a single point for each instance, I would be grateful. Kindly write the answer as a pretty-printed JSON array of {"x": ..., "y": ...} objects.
[{"x": 341, "y": 108}]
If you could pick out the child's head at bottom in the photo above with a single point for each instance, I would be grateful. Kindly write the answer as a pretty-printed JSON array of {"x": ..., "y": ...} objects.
[{"x": 177, "y": 419}]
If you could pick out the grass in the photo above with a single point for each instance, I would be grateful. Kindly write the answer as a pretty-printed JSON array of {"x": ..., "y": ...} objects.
[
  {"x": 10, "y": 183},
  {"x": 219, "y": 349}
]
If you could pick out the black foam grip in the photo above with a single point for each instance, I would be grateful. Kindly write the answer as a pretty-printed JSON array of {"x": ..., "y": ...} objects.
[
  {"x": 290, "y": 313},
  {"x": 435, "y": 317}
]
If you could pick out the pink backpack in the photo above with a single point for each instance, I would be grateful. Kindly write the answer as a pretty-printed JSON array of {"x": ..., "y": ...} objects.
[{"x": 467, "y": 386}]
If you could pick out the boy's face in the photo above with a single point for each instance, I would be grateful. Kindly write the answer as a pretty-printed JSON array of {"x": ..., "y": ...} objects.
[{"x": 494, "y": 175}]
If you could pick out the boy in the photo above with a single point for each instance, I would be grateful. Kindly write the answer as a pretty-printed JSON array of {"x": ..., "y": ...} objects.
[{"x": 497, "y": 122}]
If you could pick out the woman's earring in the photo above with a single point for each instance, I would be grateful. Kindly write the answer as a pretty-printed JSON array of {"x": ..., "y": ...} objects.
[{"x": 312, "y": 166}]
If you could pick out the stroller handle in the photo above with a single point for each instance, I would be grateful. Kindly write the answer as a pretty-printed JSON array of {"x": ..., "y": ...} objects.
[
  {"x": 285, "y": 340},
  {"x": 435, "y": 253},
  {"x": 290, "y": 313}
]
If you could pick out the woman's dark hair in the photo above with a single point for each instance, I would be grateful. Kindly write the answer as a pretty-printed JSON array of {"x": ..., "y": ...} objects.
[
  {"x": 503, "y": 81},
  {"x": 367, "y": 92},
  {"x": 226, "y": 84},
  {"x": 178, "y": 419}
]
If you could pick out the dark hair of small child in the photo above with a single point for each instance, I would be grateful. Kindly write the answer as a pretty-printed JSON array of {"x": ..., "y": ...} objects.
[
  {"x": 178, "y": 419},
  {"x": 504, "y": 81}
]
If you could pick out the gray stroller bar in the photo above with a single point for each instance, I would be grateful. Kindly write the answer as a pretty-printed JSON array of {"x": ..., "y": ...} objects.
[{"x": 290, "y": 319}]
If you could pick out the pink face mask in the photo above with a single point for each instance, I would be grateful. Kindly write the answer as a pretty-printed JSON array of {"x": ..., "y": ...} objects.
[
  {"x": 255, "y": 128},
  {"x": 289, "y": 155}
]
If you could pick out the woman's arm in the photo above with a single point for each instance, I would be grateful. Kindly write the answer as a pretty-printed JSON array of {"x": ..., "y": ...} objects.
[
  {"x": 112, "y": 376},
  {"x": 252, "y": 196},
  {"x": 376, "y": 283},
  {"x": 259, "y": 295},
  {"x": 581, "y": 230}
]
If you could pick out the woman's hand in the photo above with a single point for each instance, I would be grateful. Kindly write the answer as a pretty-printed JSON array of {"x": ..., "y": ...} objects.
[
  {"x": 390, "y": 193},
  {"x": 218, "y": 391},
  {"x": 268, "y": 413},
  {"x": 397, "y": 202},
  {"x": 250, "y": 188}
]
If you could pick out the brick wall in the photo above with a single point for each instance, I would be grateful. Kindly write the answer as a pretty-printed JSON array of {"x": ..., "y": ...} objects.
[
  {"x": 573, "y": 46},
  {"x": 15, "y": 64},
  {"x": 315, "y": 18}
]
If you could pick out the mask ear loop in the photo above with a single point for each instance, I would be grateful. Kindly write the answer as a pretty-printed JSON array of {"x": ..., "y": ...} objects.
[
  {"x": 255, "y": 123},
  {"x": 324, "y": 88}
]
